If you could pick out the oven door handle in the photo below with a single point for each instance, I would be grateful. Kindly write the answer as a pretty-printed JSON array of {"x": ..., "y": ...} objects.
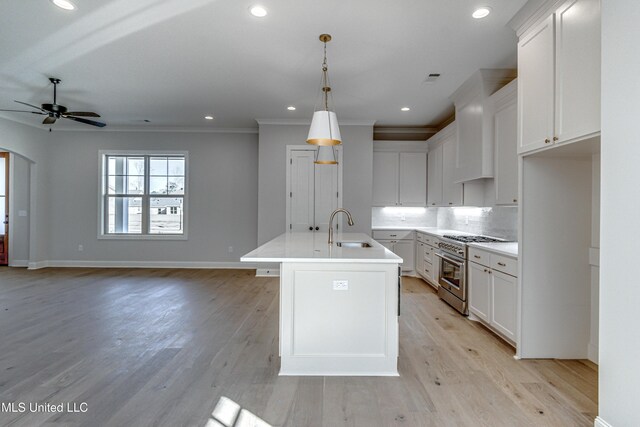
[{"x": 452, "y": 261}]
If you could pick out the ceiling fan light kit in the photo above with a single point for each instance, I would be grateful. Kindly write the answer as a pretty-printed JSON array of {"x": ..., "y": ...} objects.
[
  {"x": 324, "y": 130},
  {"x": 55, "y": 111}
]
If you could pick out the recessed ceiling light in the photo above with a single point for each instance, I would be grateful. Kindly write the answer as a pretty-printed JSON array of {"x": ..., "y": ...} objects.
[
  {"x": 405, "y": 109},
  {"x": 208, "y": 117},
  {"x": 291, "y": 108},
  {"x": 481, "y": 12},
  {"x": 64, "y": 4},
  {"x": 258, "y": 11}
]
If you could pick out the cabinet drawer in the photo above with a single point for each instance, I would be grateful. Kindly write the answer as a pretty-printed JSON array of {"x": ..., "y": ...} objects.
[
  {"x": 504, "y": 264},
  {"x": 479, "y": 256},
  {"x": 393, "y": 234},
  {"x": 421, "y": 237}
]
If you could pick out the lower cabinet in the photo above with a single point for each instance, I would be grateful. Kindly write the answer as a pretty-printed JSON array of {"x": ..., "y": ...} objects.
[
  {"x": 401, "y": 243},
  {"x": 426, "y": 261},
  {"x": 493, "y": 297}
]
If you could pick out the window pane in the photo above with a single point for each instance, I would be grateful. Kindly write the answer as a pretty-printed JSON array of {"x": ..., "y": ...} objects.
[
  {"x": 136, "y": 185},
  {"x": 116, "y": 185},
  {"x": 176, "y": 185},
  {"x": 166, "y": 215},
  {"x": 176, "y": 166},
  {"x": 135, "y": 165},
  {"x": 158, "y": 166},
  {"x": 115, "y": 165},
  {"x": 124, "y": 215},
  {"x": 158, "y": 184}
]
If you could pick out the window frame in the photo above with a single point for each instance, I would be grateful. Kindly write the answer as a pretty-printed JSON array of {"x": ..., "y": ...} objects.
[{"x": 102, "y": 193}]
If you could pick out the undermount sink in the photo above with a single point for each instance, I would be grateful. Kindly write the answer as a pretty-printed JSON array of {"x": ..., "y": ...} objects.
[{"x": 354, "y": 244}]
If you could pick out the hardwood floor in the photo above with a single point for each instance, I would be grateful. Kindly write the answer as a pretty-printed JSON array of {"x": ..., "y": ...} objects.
[{"x": 159, "y": 347}]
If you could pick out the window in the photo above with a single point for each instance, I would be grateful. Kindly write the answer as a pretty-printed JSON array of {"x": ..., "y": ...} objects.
[{"x": 138, "y": 190}]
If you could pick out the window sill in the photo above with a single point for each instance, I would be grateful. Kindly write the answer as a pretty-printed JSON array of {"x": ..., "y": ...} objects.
[{"x": 175, "y": 237}]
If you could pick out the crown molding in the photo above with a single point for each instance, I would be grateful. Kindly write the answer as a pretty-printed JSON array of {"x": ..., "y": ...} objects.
[{"x": 307, "y": 122}]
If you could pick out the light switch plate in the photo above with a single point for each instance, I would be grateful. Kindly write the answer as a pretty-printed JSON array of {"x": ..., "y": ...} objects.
[{"x": 340, "y": 285}]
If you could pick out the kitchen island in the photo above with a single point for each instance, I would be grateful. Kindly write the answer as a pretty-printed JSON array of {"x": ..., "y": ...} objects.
[{"x": 339, "y": 304}]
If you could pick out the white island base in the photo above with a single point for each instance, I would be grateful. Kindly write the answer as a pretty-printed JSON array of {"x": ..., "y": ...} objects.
[{"x": 338, "y": 310}]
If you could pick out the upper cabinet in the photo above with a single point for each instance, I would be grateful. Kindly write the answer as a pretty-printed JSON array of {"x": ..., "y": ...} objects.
[
  {"x": 434, "y": 179},
  {"x": 505, "y": 121},
  {"x": 399, "y": 174},
  {"x": 559, "y": 75},
  {"x": 474, "y": 118}
]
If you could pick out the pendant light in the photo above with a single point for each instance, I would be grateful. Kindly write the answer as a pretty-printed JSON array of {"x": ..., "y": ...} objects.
[{"x": 324, "y": 131}]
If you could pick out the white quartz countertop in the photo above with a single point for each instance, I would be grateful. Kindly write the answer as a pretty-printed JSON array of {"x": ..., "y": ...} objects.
[
  {"x": 313, "y": 247},
  {"x": 434, "y": 231},
  {"x": 507, "y": 248}
]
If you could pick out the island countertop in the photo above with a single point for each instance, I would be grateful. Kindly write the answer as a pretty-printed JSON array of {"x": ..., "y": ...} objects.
[{"x": 313, "y": 247}]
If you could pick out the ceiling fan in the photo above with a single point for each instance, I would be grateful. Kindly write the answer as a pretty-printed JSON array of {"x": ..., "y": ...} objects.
[{"x": 56, "y": 111}]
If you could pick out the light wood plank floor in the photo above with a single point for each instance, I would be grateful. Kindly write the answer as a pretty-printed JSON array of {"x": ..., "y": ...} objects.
[{"x": 159, "y": 347}]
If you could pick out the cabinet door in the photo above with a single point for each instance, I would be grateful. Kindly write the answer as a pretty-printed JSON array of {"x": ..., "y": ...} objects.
[
  {"x": 434, "y": 177},
  {"x": 301, "y": 184},
  {"x": 435, "y": 265},
  {"x": 479, "y": 291},
  {"x": 326, "y": 196},
  {"x": 420, "y": 264},
  {"x": 405, "y": 250},
  {"x": 451, "y": 192},
  {"x": 413, "y": 179},
  {"x": 577, "y": 69},
  {"x": 506, "y": 173},
  {"x": 428, "y": 264},
  {"x": 469, "y": 157},
  {"x": 536, "y": 88},
  {"x": 385, "y": 179},
  {"x": 503, "y": 307}
]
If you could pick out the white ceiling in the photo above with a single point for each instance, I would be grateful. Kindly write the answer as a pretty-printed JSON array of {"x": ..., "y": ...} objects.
[{"x": 174, "y": 61}]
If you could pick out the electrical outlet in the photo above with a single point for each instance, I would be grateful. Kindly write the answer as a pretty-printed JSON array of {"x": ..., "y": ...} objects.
[
  {"x": 80, "y": 248},
  {"x": 340, "y": 285},
  {"x": 230, "y": 249}
]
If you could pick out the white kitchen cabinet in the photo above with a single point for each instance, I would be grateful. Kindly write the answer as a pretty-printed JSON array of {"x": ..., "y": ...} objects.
[
  {"x": 506, "y": 144},
  {"x": 313, "y": 192},
  {"x": 434, "y": 180},
  {"x": 559, "y": 77},
  {"x": 427, "y": 264},
  {"x": 493, "y": 292},
  {"x": 399, "y": 178},
  {"x": 452, "y": 192},
  {"x": 401, "y": 243},
  {"x": 420, "y": 258},
  {"x": 479, "y": 291},
  {"x": 385, "y": 178},
  {"x": 474, "y": 119}
]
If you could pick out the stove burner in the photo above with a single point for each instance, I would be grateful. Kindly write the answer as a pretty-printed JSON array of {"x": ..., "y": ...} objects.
[{"x": 471, "y": 239}]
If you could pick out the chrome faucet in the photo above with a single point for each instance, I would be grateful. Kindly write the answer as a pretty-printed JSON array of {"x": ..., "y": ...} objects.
[{"x": 349, "y": 219}]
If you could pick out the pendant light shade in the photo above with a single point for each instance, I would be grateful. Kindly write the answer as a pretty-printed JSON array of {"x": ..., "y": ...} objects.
[
  {"x": 324, "y": 129},
  {"x": 326, "y": 155}
]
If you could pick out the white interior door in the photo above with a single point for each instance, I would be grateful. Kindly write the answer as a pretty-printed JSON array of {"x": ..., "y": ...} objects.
[
  {"x": 301, "y": 185},
  {"x": 326, "y": 195}
]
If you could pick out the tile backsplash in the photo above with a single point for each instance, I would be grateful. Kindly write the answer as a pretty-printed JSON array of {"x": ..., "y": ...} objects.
[{"x": 500, "y": 221}]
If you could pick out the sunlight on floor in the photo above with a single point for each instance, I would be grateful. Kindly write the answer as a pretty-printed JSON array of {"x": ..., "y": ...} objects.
[{"x": 228, "y": 413}]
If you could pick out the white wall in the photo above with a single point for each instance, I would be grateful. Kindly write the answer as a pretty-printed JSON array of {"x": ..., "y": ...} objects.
[
  {"x": 31, "y": 144},
  {"x": 356, "y": 179},
  {"x": 223, "y": 184},
  {"x": 594, "y": 257},
  {"x": 619, "y": 384}
]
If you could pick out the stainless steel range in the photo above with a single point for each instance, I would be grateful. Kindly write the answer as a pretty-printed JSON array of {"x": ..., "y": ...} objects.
[{"x": 453, "y": 268}]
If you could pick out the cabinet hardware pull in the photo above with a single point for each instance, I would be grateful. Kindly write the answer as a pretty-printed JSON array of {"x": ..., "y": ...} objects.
[
  {"x": 485, "y": 270},
  {"x": 433, "y": 204},
  {"x": 450, "y": 203},
  {"x": 515, "y": 200},
  {"x": 310, "y": 228},
  {"x": 317, "y": 228},
  {"x": 476, "y": 256},
  {"x": 502, "y": 264},
  {"x": 393, "y": 235},
  {"x": 555, "y": 138},
  {"x": 547, "y": 140}
]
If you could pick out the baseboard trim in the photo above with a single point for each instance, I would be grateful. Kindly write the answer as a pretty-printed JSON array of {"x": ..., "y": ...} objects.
[
  {"x": 143, "y": 264},
  {"x": 19, "y": 263},
  {"x": 592, "y": 353},
  {"x": 599, "y": 422},
  {"x": 268, "y": 272}
]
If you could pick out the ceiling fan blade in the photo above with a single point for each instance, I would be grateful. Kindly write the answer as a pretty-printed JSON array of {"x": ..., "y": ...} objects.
[
  {"x": 85, "y": 121},
  {"x": 25, "y": 111},
  {"x": 49, "y": 120},
  {"x": 81, "y": 114},
  {"x": 29, "y": 105}
]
